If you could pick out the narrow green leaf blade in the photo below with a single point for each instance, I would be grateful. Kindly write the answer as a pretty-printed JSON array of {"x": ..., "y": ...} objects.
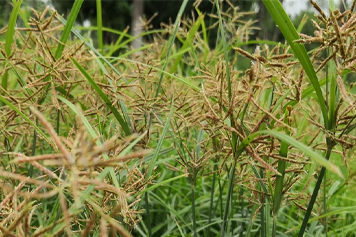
[
  {"x": 176, "y": 26},
  {"x": 11, "y": 28},
  {"x": 288, "y": 30},
  {"x": 186, "y": 43},
  {"x": 103, "y": 96},
  {"x": 160, "y": 142},
  {"x": 68, "y": 27},
  {"x": 87, "y": 43},
  {"x": 278, "y": 188},
  {"x": 99, "y": 24},
  {"x": 293, "y": 142}
]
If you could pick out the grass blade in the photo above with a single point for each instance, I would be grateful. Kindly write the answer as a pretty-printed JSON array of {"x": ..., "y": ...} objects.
[
  {"x": 9, "y": 39},
  {"x": 205, "y": 37},
  {"x": 291, "y": 141},
  {"x": 87, "y": 43},
  {"x": 226, "y": 55},
  {"x": 10, "y": 33},
  {"x": 277, "y": 196},
  {"x": 68, "y": 27},
  {"x": 313, "y": 198},
  {"x": 99, "y": 25},
  {"x": 187, "y": 42},
  {"x": 287, "y": 28},
  {"x": 332, "y": 95},
  {"x": 232, "y": 120},
  {"x": 153, "y": 162},
  {"x": 176, "y": 26},
  {"x": 164, "y": 182},
  {"x": 103, "y": 96},
  {"x": 160, "y": 142}
]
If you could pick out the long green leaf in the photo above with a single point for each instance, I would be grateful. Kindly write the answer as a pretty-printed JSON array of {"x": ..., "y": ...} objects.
[
  {"x": 164, "y": 182},
  {"x": 291, "y": 141},
  {"x": 68, "y": 27},
  {"x": 187, "y": 42},
  {"x": 176, "y": 26},
  {"x": 11, "y": 28},
  {"x": 122, "y": 105},
  {"x": 278, "y": 188},
  {"x": 92, "y": 132},
  {"x": 205, "y": 37},
  {"x": 87, "y": 43},
  {"x": 226, "y": 55},
  {"x": 160, "y": 142},
  {"x": 99, "y": 24},
  {"x": 108, "y": 170},
  {"x": 232, "y": 119},
  {"x": 103, "y": 96},
  {"x": 332, "y": 94},
  {"x": 287, "y": 28}
]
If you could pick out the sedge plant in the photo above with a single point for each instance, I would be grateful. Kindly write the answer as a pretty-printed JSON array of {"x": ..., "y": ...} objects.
[{"x": 192, "y": 137}]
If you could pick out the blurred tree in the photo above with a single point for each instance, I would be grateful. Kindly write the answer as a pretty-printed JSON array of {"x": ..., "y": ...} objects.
[
  {"x": 268, "y": 29},
  {"x": 5, "y": 11},
  {"x": 136, "y": 25},
  {"x": 117, "y": 13}
]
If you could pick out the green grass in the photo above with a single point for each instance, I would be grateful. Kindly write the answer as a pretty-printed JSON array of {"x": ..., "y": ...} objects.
[{"x": 180, "y": 139}]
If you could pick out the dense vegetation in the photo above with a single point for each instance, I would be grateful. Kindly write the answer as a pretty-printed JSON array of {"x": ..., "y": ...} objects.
[{"x": 177, "y": 138}]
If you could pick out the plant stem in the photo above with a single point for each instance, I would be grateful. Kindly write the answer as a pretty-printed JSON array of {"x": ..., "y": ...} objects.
[
  {"x": 241, "y": 210},
  {"x": 193, "y": 208},
  {"x": 274, "y": 225},
  {"x": 148, "y": 215},
  {"x": 263, "y": 214},
  {"x": 315, "y": 192},
  {"x": 211, "y": 201},
  {"x": 228, "y": 196},
  {"x": 278, "y": 190},
  {"x": 324, "y": 205}
]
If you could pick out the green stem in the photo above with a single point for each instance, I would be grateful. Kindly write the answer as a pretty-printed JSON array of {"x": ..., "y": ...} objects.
[
  {"x": 263, "y": 214},
  {"x": 315, "y": 193},
  {"x": 211, "y": 202},
  {"x": 99, "y": 25},
  {"x": 58, "y": 121},
  {"x": 278, "y": 190},
  {"x": 221, "y": 188},
  {"x": 241, "y": 193},
  {"x": 148, "y": 215},
  {"x": 193, "y": 207},
  {"x": 229, "y": 194},
  {"x": 274, "y": 225},
  {"x": 4, "y": 81},
  {"x": 324, "y": 205},
  {"x": 33, "y": 152}
]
